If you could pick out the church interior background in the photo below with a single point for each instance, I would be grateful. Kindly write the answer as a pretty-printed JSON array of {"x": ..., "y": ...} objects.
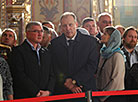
[{"x": 16, "y": 13}]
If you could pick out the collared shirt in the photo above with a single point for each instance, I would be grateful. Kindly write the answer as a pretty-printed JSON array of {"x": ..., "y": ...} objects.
[
  {"x": 99, "y": 35},
  {"x": 37, "y": 49},
  {"x": 133, "y": 57},
  {"x": 70, "y": 39}
]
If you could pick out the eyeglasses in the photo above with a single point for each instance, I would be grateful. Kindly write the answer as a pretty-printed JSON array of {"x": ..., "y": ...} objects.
[{"x": 37, "y": 31}]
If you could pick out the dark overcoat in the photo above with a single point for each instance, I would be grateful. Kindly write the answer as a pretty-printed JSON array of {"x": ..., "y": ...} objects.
[
  {"x": 29, "y": 77},
  {"x": 84, "y": 61}
]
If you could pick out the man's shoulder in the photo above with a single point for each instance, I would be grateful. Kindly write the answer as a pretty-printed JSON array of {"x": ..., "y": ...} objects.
[
  {"x": 20, "y": 47},
  {"x": 87, "y": 38},
  {"x": 2, "y": 46},
  {"x": 136, "y": 48},
  {"x": 4, "y": 51},
  {"x": 57, "y": 39},
  {"x": 83, "y": 31}
]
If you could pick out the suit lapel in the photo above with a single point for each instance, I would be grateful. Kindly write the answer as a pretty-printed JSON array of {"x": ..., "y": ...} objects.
[
  {"x": 77, "y": 40},
  {"x": 63, "y": 41},
  {"x": 76, "y": 48}
]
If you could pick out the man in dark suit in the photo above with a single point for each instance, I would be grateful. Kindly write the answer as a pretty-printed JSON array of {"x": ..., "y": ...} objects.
[
  {"x": 31, "y": 66},
  {"x": 75, "y": 58}
]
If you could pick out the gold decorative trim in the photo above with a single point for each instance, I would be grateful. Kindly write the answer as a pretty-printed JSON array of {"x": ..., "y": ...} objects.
[{"x": 15, "y": 9}]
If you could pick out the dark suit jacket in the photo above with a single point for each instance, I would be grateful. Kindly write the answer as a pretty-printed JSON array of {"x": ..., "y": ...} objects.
[
  {"x": 84, "y": 61},
  {"x": 127, "y": 62},
  {"x": 132, "y": 82},
  {"x": 28, "y": 76}
]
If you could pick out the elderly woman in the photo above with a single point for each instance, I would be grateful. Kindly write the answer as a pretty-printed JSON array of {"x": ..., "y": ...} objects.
[{"x": 111, "y": 69}]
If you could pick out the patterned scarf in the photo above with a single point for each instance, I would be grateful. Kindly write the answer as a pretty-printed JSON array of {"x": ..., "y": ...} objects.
[
  {"x": 5, "y": 74},
  {"x": 113, "y": 45}
]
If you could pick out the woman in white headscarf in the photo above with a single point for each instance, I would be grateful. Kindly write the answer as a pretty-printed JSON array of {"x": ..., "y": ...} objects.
[{"x": 111, "y": 69}]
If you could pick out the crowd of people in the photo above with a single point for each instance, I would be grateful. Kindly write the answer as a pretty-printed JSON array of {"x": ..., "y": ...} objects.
[{"x": 96, "y": 56}]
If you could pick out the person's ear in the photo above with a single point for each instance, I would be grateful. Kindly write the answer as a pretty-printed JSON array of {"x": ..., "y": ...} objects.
[
  {"x": 15, "y": 43},
  {"x": 76, "y": 24},
  {"x": 97, "y": 23}
]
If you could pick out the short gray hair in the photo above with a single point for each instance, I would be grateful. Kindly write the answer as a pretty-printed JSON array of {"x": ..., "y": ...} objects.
[
  {"x": 65, "y": 14},
  {"x": 32, "y": 23},
  {"x": 104, "y": 14},
  {"x": 88, "y": 19}
]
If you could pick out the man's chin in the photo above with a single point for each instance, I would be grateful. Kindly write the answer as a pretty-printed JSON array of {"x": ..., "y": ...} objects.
[
  {"x": 131, "y": 46},
  {"x": 70, "y": 35}
]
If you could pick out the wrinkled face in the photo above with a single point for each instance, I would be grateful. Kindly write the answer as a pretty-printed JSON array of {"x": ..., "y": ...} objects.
[
  {"x": 68, "y": 26},
  {"x": 35, "y": 34},
  {"x": 105, "y": 38},
  {"x": 91, "y": 27},
  {"x": 8, "y": 38},
  {"x": 130, "y": 40},
  {"x": 104, "y": 21}
]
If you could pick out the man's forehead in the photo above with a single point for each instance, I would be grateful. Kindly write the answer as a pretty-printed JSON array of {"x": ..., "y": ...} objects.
[
  {"x": 105, "y": 17},
  {"x": 90, "y": 22},
  {"x": 37, "y": 26},
  {"x": 67, "y": 17},
  {"x": 130, "y": 32}
]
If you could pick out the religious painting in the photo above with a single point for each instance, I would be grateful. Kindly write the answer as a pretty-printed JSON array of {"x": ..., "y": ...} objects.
[
  {"x": 47, "y": 10},
  {"x": 51, "y": 10},
  {"x": 80, "y": 7}
]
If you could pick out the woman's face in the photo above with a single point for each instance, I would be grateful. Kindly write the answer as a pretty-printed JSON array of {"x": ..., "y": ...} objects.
[{"x": 105, "y": 37}]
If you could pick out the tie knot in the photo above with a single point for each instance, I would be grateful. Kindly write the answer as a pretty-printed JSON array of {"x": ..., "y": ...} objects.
[{"x": 70, "y": 42}]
